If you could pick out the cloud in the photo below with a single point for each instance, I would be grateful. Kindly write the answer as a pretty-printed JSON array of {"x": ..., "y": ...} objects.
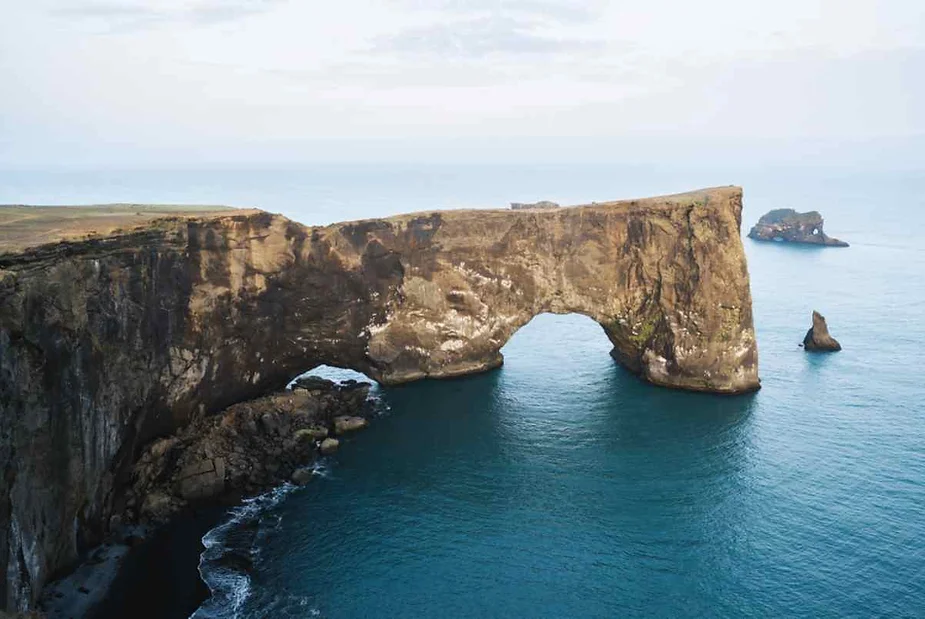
[
  {"x": 169, "y": 73},
  {"x": 475, "y": 29},
  {"x": 126, "y": 15},
  {"x": 482, "y": 36},
  {"x": 564, "y": 11},
  {"x": 219, "y": 12},
  {"x": 115, "y": 16},
  {"x": 105, "y": 9}
]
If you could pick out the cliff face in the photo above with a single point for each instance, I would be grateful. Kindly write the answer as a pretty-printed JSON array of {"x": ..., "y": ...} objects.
[
  {"x": 785, "y": 224},
  {"x": 110, "y": 342}
]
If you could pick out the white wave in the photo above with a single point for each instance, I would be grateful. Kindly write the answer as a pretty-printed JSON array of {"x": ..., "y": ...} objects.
[
  {"x": 229, "y": 587},
  {"x": 321, "y": 468}
]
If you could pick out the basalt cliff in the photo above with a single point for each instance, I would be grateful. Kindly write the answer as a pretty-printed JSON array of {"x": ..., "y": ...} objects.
[{"x": 110, "y": 341}]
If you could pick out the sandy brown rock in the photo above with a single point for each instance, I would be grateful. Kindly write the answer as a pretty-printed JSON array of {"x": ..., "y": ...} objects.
[
  {"x": 202, "y": 479},
  {"x": 109, "y": 342},
  {"x": 665, "y": 278},
  {"x": 329, "y": 445},
  {"x": 312, "y": 433},
  {"x": 349, "y": 423}
]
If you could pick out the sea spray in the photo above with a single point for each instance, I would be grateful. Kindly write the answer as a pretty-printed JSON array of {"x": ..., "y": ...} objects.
[
  {"x": 233, "y": 548},
  {"x": 229, "y": 555}
]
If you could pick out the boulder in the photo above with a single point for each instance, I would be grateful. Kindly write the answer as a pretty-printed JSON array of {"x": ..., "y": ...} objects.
[
  {"x": 202, "y": 480},
  {"x": 348, "y": 423},
  {"x": 313, "y": 383},
  {"x": 353, "y": 397},
  {"x": 270, "y": 423},
  {"x": 162, "y": 446},
  {"x": 329, "y": 445},
  {"x": 302, "y": 475},
  {"x": 817, "y": 338},
  {"x": 314, "y": 433}
]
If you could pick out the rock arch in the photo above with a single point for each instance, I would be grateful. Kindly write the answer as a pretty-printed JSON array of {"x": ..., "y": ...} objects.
[
  {"x": 666, "y": 278},
  {"x": 438, "y": 294}
]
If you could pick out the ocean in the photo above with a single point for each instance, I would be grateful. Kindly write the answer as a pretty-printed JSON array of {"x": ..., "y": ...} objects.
[{"x": 560, "y": 485}]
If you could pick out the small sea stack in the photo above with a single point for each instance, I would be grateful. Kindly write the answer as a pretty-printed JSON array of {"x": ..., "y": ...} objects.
[
  {"x": 817, "y": 338},
  {"x": 788, "y": 226}
]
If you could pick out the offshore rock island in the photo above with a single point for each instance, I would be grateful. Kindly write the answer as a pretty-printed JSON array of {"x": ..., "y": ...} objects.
[
  {"x": 817, "y": 339},
  {"x": 787, "y": 225},
  {"x": 112, "y": 338}
]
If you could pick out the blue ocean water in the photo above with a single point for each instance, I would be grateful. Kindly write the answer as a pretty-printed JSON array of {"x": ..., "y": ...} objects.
[{"x": 560, "y": 485}]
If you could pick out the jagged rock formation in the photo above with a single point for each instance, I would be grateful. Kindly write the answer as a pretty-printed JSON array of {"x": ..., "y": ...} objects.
[
  {"x": 818, "y": 338},
  {"x": 109, "y": 342},
  {"x": 242, "y": 451},
  {"x": 785, "y": 224}
]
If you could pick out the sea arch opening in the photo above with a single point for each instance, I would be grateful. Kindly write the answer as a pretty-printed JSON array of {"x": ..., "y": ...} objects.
[{"x": 571, "y": 340}]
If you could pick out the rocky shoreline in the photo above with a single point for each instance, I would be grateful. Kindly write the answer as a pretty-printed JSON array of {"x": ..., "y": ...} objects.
[{"x": 217, "y": 460}]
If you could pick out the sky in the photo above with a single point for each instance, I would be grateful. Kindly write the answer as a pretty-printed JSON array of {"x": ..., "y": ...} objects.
[{"x": 116, "y": 82}]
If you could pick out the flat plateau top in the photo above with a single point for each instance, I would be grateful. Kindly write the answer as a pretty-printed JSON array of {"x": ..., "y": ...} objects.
[{"x": 22, "y": 227}]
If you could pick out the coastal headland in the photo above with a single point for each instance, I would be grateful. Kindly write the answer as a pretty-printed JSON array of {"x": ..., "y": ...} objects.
[{"x": 122, "y": 330}]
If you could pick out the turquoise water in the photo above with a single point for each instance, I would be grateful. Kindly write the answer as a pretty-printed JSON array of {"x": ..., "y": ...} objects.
[{"x": 560, "y": 485}]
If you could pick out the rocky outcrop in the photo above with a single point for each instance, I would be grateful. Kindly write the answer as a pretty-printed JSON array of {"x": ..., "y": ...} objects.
[
  {"x": 110, "y": 342},
  {"x": 817, "y": 338},
  {"x": 244, "y": 450},
  {"x": 329, "y": 445},
  {"x": 786, "y": 225}
]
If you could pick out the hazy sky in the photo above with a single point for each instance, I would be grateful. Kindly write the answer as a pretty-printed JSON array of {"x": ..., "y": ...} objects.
[{"x": 117, "y": 81}]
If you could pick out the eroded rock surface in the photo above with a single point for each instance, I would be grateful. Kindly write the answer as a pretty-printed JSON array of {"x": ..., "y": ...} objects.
[
  {"x": 786, "y": 225},
  {"x": 110, "y": 342},
  {"x": 241, "y": 451},
  {"x": 818, "y": 338}
]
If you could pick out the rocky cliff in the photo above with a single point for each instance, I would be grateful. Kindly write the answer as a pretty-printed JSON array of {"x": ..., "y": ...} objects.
[
  {"x": 787, "y": 225},
  {"x": 109, "y": 342}
]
